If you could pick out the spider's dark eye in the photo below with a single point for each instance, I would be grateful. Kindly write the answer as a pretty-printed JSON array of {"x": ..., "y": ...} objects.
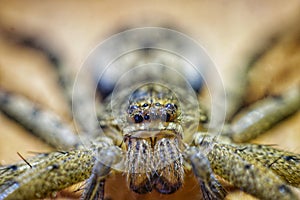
[
  {"x": 170, "y": 106},
  {"x": 145, "y": 105},
  {"x": 132, "y": 108},
  {"x": 157, "y": 104},
  {"x": 147, "y": 117},
  {"x": 138, "y": 118}
]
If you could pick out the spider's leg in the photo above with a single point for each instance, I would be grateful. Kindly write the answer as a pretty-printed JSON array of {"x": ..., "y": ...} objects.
[
  {"x": 251, "y": 177},
  {"x": 10, "y": 171},
  {"x": 283, "y": 163},
  {"x": 80, "y": 92},
  {"x": 264, "y": 114},
  {"x": 79, "y": 89},
  {"x": 49, "y": 173},
  {"x": 76, "y": 84},
  {"x": 94, "y": 188},
  {"x": 57, "y": 171},
  {"x": 210, "y": 186},
  {"x": 43, "y": 123}
]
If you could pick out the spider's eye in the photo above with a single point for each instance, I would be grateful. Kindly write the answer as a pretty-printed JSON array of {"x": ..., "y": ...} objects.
[
  {"x": 170, "y": 106},
  {"x": 138, "y": 118},
  {"x": 132, "y": 108},
  {"x": 157, "y": 104},
  {"x": 147, "y": 117},
  {"x": 145, "y": 105}
]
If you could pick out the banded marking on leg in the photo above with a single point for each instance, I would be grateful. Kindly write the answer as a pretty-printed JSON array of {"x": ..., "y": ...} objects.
[
  {"x": 283, "y": 163},
  {"x": 264, "y": 114},
  {"x": 43, "y": 123}
]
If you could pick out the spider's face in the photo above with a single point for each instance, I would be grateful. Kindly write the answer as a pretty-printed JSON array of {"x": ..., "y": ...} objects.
[
  {"x": 152, "y": 139},
  {"x": 152, "y": 103},
  {"x": 152, "y": 110}
]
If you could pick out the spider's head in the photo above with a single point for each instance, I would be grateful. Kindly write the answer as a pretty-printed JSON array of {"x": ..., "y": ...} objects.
[{"x": 152, "y": 103}]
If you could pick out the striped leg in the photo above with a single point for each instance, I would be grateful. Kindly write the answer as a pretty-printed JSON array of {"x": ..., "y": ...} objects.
[
  {"x": 264, "y": 114},
  {"x": 54, "y": 172},
  {"x": 48, "y": 173},
  {"x": 250, "y": 175},
  {"x": 43, "y": 123}
]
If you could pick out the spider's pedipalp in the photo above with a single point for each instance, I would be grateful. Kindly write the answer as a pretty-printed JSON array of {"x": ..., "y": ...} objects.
[
  {"x": 210, "y": 186},
  {"x": 107, "y": 157}
]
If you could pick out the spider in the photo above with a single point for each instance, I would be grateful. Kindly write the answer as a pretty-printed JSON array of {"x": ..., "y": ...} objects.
[{"x": 148, "y": 134}]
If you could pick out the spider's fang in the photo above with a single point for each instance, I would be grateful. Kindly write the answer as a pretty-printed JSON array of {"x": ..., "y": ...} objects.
[{"x": 159, "y": 165}]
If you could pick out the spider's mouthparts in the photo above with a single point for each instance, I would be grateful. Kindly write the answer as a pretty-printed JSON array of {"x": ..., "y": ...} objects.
[{"x": 154, "y": 164}]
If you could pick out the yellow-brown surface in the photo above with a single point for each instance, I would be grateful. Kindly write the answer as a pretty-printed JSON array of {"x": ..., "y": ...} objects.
[{"x": 230, "y": 32}]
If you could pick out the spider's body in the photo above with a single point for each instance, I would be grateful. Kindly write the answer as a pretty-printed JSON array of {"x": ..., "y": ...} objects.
[{"x": 153, "y": 134}]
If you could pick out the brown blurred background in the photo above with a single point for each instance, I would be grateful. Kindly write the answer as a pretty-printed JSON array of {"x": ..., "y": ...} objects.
[{"x": 232, "y": 32}]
